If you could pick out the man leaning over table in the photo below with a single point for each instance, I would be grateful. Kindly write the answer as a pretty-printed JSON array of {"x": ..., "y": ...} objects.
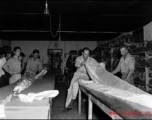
[
  {"x": 126, "y": 65},
  {"x": 81, "y": 73}
]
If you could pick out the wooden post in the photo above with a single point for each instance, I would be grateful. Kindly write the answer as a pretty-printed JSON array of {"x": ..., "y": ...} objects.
[
  {"x": 79, "y": 104},
  {"x": 147, "y": 79},
  {"x": 90, "y": 107}
]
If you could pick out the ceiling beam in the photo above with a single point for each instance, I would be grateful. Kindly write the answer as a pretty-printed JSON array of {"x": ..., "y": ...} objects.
[
  {"x": 106, "y": 15},
  {"x": 61, "y": 31}
]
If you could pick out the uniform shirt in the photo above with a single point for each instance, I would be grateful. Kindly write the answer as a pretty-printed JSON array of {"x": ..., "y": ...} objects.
[
  {"x": 2, "y": 62},
  {"x": 34, "y": 65},
  {"x": 126, "y": 65},
  {"x": 13, "y": 65},
  {"x": 79, "y": 60}
]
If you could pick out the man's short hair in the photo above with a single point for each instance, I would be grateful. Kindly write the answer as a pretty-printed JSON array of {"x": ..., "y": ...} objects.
[
  {"x": 9, "y": 52},
  {"x": 36, "y": 51},
  {"x": 124, "y": 46},
  {"x": 2, "y": 53},
  {"x": 16, "y": 48},
  {"x": 86, "y": 49}
]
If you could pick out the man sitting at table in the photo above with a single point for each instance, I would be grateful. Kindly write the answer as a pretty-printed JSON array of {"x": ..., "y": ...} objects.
[
  {"x": 80, "y": 73},
  {"x": 34, "y": 64}
]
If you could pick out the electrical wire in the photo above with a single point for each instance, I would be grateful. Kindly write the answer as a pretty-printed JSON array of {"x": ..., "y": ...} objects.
[{"x": 57, "y": 29}]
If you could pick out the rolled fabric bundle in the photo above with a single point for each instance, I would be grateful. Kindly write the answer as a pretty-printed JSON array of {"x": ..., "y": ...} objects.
[
  {"x": 26, "y": 82},
  {"x": 22, "y": 86},
  {"x": 7, "y": 99},
  {"x": 30, "y": 97}
]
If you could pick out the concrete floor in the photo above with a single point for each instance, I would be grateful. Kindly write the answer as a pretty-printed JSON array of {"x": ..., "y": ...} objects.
[{"x": 59, "y": 102}]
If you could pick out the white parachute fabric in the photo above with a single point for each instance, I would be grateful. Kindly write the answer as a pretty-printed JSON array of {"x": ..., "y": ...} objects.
[
  {"x": 99, "y": 75},
  {"x": 140, "y": 102},
  {"x": 30, "y": 97}
]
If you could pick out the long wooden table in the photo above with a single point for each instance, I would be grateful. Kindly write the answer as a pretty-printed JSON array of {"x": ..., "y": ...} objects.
[
  {"x": 16, "y": 109},
  {"x": 91, "y": 100},
  {"x": 112, "y": 106}
]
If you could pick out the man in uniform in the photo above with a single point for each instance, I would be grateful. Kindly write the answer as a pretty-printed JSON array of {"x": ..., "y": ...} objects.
[
  {"x": 34, "y": 64},
  {"x": 13, "y": 66}
]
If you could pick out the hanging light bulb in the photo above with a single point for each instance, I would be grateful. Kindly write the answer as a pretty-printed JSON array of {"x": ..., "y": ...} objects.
[{"x": 46, "y": 10}]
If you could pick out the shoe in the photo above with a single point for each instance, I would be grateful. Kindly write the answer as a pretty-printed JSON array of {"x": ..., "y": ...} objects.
[
  {"x": 71, "y": 104},
  {"x": 66, "y": 110},
  {"x": 84, "y": 100}
]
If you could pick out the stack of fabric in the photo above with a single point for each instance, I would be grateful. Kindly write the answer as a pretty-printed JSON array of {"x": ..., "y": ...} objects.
[
  {"x": 139, "y": 76},
  {"x": 140, "y": 61},
  {"x": 116, "y": 52},
  {"x": 139, "y": 48},
  {"x": 148, "y": 46},
  {"x": 106, "y": 54}
]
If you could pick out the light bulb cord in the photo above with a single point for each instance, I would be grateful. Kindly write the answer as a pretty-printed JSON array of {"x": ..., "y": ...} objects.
[{"x": 57, "y": 29}]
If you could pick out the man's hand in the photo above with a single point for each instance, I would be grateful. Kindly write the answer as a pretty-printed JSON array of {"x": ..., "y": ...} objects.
[
  {"x": 126, "y": 79},
  {"x": 11, "y": 73},
  {"x": 113, "y": 72},
  {"x": 82, "y": 63}
]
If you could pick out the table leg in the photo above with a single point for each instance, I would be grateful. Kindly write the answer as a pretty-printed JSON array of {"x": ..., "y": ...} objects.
[
  {"x": 50, "y": 108},
  {"x": 90, "y": 107},
  {"x": 79, "y": 104},
  {"x": 49, "y": 116}
]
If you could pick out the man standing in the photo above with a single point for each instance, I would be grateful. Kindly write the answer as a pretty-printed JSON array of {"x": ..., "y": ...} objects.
[
  {"x": 126, "y": 65},
  {"x": 5, "y": 78},
  {"x": 13, "y": 66},
  {"x": 80, "y": 73},
  {"x": 21, "y": 58},
  {"x": 2, "y": 73},
  {"x": 8, "y": 55},
  {"x": 34, "y": 64}
]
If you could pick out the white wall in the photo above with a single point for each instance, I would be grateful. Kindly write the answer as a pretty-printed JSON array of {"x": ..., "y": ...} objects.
[
  {"x": 5, "y": 42},
  {"x": 28, "y": 46},
  {"x": 148, "y": 31}
]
